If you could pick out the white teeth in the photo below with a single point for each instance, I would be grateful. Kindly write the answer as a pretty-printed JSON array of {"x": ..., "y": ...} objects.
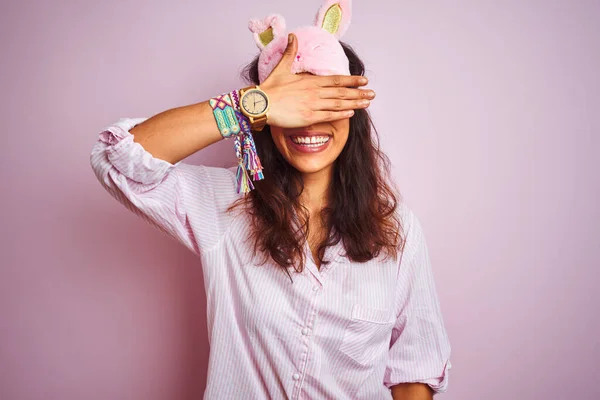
[{"x": 310, "y": 140}]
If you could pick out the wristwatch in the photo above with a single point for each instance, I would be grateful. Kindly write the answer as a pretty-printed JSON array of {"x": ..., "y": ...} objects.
[{"x": 254, "y": 104}]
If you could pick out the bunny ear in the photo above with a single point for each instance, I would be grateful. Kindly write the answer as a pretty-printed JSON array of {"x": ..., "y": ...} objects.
[
  {"x": 334, "y": 16},
  {"x": 267, "y": 30}
]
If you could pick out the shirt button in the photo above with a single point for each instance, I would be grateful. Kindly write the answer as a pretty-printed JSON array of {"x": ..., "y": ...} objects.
[
  {"x": 296, "y": 376},
  {"x": 315, "y": 288},
  {"x": 305, "y": 331}
]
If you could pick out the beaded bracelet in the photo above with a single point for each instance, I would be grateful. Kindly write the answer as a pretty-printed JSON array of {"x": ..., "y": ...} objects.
[{"x": 232, "y": 122}]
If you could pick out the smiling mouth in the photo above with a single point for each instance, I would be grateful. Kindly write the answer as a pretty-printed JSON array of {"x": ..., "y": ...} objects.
[
  {"x": 310, "y": 141},
  {"x": 309, "y": 144}
]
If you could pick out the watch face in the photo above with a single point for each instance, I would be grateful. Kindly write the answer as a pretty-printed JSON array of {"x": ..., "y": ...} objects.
[{"x": 254, "y": 102}]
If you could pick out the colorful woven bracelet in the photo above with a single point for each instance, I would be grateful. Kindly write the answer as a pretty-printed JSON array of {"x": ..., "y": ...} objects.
[
  {"x": 224, "y": 112},
  {"x": 245, "y": 150}
]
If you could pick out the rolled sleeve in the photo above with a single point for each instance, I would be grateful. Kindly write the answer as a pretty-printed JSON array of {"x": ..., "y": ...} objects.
[
  {"x": 129, "y": 157},
  {"x": 188, "y": 202},
  {"x": 419, "y": 348}
]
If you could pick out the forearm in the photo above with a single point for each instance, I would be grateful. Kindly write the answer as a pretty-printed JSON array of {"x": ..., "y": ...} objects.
[
  {"x": 174, "y": 134},
  {"x": 412, "y": 391}
]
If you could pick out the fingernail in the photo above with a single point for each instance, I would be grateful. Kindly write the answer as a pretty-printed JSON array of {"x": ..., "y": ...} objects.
[
  {"x": 364, "y": 80},
  {"x": 290, "y": 38}
]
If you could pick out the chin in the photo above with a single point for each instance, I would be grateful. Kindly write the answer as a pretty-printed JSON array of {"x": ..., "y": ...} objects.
[
  {"x": 311, "y": 168},
  {"x": 309, "y": 163}
]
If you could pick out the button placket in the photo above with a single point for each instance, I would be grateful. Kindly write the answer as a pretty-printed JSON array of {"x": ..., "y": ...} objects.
[{"x": 305, "y": 336}]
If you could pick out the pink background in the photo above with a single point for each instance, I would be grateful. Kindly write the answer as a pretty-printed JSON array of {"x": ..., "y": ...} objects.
[{"x": 489, "y": 110}]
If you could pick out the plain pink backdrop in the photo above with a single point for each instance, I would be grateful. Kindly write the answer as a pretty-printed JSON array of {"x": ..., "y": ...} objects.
[{"x": 489, "y": 110}]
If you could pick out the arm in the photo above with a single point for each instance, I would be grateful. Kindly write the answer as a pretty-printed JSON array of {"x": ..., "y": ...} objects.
[
  {"x": 138, "y": 160},
  {"x": 178, "y": 133},
  {"x": 412, "y": 391},
  {"x": 419, "y": 355}
]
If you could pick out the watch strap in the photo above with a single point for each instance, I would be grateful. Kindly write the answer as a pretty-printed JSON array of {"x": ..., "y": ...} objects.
[{"x": 258, "y": 124}]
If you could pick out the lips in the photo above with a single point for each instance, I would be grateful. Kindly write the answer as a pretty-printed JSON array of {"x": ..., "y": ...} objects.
[{"x": 307, "y": 149}]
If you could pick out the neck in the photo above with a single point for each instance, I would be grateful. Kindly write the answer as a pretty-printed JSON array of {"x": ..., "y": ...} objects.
[{"x": 316, "y": 194}]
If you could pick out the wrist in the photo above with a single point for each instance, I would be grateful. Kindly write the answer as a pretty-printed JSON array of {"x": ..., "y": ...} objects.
[{"x": 233, "y": 123}]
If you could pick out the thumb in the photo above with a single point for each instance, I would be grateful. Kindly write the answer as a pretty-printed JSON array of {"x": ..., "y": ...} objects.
[{"x": 285, "y": 64}]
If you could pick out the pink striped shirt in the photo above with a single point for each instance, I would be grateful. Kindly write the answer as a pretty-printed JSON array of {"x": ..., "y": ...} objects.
[{"x": 347, "y": 331}]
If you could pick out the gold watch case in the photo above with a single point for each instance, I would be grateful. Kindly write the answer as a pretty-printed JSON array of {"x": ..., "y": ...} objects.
[{"x": 254, "y": 104}]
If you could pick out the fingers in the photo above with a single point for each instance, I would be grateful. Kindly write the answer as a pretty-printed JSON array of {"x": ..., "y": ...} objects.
[
  {"x": 289, "y": 54},
  {"x": 346, "y": 93},
  {"x": 328, "y": 116},
  {"x": 341, "y": 105},
  {"x": 341, "y": 81}
]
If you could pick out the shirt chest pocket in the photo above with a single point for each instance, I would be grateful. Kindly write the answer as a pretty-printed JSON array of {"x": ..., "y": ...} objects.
[{"x": 368, "y": 334}]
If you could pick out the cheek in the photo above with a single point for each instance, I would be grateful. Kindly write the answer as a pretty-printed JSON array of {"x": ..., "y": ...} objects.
[
  {"x": 342, "y": 128},
  {"x": 278, "y": 138},
  {"x": 276, "y": 133}
]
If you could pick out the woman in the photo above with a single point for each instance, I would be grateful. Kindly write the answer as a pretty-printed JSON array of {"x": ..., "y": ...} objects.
[{"x": 318, "y": 281}]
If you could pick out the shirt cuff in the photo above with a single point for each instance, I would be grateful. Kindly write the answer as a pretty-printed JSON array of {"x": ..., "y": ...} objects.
[
  {"x": 129, "y": 157},
  {"x": 440, "y": 384}
]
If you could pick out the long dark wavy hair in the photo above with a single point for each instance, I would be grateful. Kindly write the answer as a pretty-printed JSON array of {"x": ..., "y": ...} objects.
[{"x": 361, "y": 213}]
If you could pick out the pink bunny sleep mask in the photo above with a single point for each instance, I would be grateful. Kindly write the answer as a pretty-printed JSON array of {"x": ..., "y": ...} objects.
[{"x": 319, "y": 49}]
